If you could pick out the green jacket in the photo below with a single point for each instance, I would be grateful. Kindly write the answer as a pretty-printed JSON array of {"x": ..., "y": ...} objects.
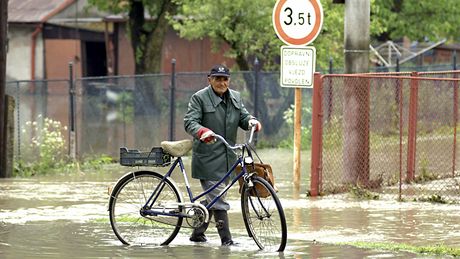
[{"x": 206, "y": 109}]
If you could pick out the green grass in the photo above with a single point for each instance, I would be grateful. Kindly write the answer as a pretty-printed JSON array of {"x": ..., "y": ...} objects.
[
  {"x": 438, "y": 249},
  {"x": 100, "y": 220}
]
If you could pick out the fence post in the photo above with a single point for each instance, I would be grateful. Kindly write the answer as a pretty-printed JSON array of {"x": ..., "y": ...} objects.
[
  {"x": 399, "y": 86},
  {"x": 256, "y": 87},
  {"x": 316, "y": 136},
  {"x": 412, "y": 132},
  {"x": 172, "y": 100},
  {"x": 454, "y": 149},
  {"x": 9, "y": 133},
  {"x": 454, "y": 61},
  {"x": 18, "y": 122},
  {"x": 72, "y": 145},
  {"x": 330, "y": 65},
  {"x": 3, "y": 50},
  {"x": 297, "y": 137}
]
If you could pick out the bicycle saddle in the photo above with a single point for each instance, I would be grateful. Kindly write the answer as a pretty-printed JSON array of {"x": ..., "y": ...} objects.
[{"x": 177, "y": 148}]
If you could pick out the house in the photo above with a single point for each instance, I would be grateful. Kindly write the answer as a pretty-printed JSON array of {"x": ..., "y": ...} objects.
[{"x": 45, "y": 35}]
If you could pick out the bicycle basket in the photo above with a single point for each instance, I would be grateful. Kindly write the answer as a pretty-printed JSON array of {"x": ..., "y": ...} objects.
[
  {"x": 263, "y": 171},
  {"x": 134, "y": 157}
]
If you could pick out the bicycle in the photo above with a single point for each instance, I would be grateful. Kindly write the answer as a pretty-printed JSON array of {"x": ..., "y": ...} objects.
[{"x": 146, "y": 207}]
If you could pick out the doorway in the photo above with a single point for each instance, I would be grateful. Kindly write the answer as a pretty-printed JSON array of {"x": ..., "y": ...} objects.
[{"x": 95, "y": 59}]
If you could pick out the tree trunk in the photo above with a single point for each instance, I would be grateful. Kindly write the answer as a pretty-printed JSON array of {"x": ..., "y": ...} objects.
[
  {"x": 147, "y": 36},
  {"x": 3, "y": 45},
  {"x": 147, "y": 39},
  {"x": 356, "y": 98},
  {"x": 136, "y": 23}
]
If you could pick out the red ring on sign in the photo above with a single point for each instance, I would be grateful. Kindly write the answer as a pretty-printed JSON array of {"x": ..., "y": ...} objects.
[{"x": 302, "y": 41}]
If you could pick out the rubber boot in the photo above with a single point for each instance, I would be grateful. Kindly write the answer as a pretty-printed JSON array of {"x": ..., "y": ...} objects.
[
  {"x": 198, "y": 233},
  {"x": 223, "y": 227}
]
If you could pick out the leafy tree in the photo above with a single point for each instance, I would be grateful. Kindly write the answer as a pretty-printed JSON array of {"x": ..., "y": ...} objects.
[
  {"x": 393, "y": 19},
  {"x": 246, "y": 26},
  {"x": 243, "y": 25}
]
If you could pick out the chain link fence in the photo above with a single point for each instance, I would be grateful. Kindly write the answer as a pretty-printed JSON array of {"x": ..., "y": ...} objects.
[
  {"x": 395, "y": 135},
  {"x": 36, "y": 101},
  {"x": 136, "y": 111},
  {"x": 390, "y": 133}
]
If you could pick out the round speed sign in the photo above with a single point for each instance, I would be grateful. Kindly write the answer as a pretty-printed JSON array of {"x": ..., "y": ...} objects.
[{"x": 297, "y": 22}]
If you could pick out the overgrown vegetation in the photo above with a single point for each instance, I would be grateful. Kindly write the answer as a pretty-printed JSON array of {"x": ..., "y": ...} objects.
[
  {"x": 361, "y": 193},
  {"x": 46, "y": 152},
  {"x": 438, "y": 249},
  {"x": 305, "y": 130},
  {"x": 435, "y": 198},
  {"x": 425, "y": 175},
  {"x": 125, "y": 107},
  {"x": 46, "y": 149}
]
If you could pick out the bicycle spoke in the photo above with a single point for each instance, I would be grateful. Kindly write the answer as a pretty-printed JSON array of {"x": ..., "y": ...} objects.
[
  {"x": 127, "y": 204},
  {"x": 264, "y": 216}
]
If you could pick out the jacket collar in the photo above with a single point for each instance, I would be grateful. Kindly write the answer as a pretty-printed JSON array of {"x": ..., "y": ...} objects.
[{"x": 215, "y": 99}]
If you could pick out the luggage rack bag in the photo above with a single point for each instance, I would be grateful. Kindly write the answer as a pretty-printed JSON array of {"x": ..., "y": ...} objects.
[{"x": 134, "y": 157}]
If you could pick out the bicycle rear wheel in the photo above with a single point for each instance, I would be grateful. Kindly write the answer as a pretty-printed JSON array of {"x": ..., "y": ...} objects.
[
  {"x": 263, "y": 215},
  {"x": 130, "y": 224}
]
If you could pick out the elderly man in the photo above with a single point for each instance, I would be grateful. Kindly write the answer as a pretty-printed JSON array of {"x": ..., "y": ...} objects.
[{"x": 215, "y": 109}]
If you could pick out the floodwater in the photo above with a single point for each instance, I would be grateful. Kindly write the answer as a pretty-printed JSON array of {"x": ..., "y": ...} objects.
[{"x": 65, "y": 216}]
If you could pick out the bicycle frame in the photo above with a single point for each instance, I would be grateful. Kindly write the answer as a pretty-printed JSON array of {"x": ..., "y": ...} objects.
[{"x": 193, "y": 198}]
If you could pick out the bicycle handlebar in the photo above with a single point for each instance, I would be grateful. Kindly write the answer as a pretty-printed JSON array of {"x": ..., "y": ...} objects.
[{"x": 237, "y": 146}]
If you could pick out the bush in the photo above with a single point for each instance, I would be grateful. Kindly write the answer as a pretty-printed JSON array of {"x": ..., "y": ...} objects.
[
  {"x": 46, "y": 152},
  {"x": 305, "y": 130},
  {"x": 46, "y": 149}
]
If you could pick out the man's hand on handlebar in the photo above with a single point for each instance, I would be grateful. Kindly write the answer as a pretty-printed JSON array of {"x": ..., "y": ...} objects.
[
  {"x": 206, "y": 135},
  {"x": 255, "y": 123}
]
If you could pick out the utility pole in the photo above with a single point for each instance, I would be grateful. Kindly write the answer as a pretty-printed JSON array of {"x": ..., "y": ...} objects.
[
  {"x": 356, "y": 95},
  {"x": 3, "y": 45}
]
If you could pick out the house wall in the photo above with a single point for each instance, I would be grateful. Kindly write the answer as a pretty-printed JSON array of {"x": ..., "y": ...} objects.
[
  {"x": 18, "y": 65},
  {"x": 443, "y": 56},
  {"x": 190, "y": 55},
  {"x": 125, "y": 53},
  {"x": 52, "y": 58}
]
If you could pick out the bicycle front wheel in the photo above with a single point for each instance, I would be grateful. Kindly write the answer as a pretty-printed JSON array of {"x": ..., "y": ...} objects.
[
  {"x": 126, "y": 209},
  {"x": 263, "y": 215}
]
